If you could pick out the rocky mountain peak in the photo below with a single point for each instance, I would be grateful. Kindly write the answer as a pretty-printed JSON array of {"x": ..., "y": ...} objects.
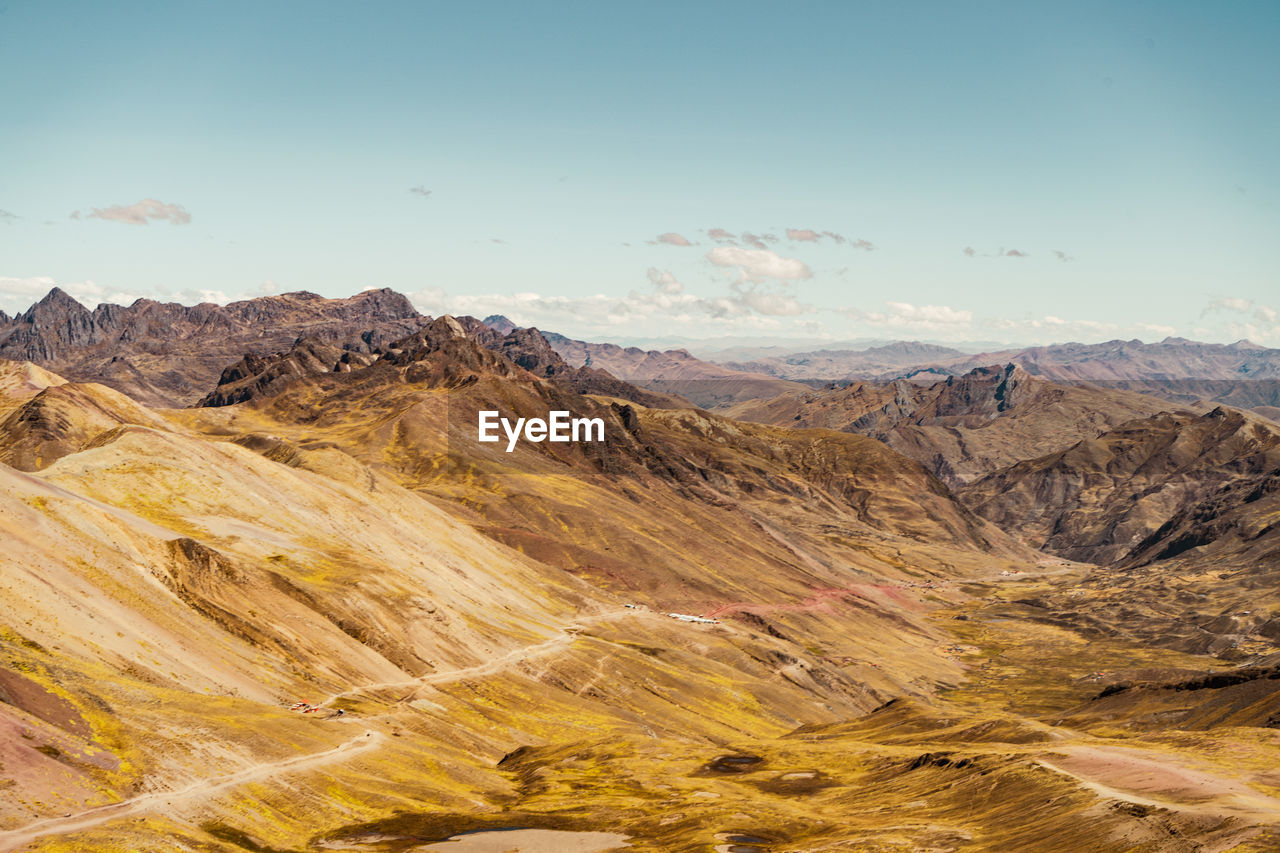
[
  {"x": 56, "y": 306},
  {"x": 530, "y": 350},
  {"x": 500, "y": 324},
  {"x": 165, "y": 353},
  {"x": 385, "y": 303}
]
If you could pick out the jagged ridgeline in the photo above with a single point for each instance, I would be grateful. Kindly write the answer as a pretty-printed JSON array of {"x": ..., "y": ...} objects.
[{"x": 265, "y": 589}]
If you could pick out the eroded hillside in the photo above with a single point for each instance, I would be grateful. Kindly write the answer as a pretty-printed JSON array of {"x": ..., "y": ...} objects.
[{"x": 877, "y": 666}]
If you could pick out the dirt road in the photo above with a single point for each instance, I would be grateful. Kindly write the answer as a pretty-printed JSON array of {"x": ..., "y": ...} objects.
[{"x": 89, "y": 818}]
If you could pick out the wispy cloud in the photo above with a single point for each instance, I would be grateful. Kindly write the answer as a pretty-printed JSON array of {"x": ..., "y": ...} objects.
[
  {"x": 671, "y": 238},
  {"x": 7, "y": 218},
  {"x": 759, "y": 264},
  {"x": 746, "y": 238},
  {"x": 969, "y": 251},
  {"x": 1015, "y": 253},
  {"x": 914, "y": 319},
  {"x": 758, "y": 241},
  {"x": 140, "y": 213},
  {"x": 420, "y": 190},
  {"x": 1062, "y": 256},
  {"x": 809, "y": 235}
]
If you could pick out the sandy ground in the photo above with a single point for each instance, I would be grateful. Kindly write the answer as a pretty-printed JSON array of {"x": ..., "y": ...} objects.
[{"x": 1154, "y": 779}]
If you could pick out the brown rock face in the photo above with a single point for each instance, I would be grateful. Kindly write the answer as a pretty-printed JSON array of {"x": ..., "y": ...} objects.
[
  {"x": 166, "y": 354},
  {"x": 965, "y": 426},
  {"x": 1151, "y": 489}
]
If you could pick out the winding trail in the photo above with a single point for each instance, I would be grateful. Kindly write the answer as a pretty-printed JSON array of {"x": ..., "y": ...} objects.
[
  {"x": 14, "y": 839},
  {"x": 562, "y": 640},
  {"x": 89, "y": 818}
]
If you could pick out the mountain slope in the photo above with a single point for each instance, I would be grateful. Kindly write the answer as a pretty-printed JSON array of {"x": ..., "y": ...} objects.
[
  {"x": 705, "y": 383},
  {"x": 1147, "y": 490},
  {"x": 174, "y": 586},
  {"x": 1111, "y": 361},
  {"x": 63, "y": 419},
  {"x": 858, "y": 662},
  {"x": 963, "y": 427}
]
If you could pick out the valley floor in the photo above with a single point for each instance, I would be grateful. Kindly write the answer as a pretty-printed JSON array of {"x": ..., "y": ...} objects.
[{"x": 1011, "y": 757}]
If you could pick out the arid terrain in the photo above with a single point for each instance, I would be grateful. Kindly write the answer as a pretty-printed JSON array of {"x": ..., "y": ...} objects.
[{"x": 264, "y": 590}]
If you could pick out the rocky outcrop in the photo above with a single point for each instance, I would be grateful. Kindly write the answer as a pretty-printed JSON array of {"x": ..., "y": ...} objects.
[
  {"x": 255, "y": 375},
  {"x": 166, "y": 354},
  {"x": 446, "y": 352}
]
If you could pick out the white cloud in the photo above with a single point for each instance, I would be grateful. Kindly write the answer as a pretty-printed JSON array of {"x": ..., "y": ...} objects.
[
  {"x": 1236, "y": 319},
  {"x": 197, "y": 297},
  {"x": 140, "y": 212},
  {"x": 664, "y": 305},
  {"x": 19, "y": 294},
  {"x": 267, "y": 288},
  {"x": 420, "y": 190},
  {"x": 759, "y": 264},
  {"x": 1228, "y": 303},
  {"x": 664, "y": 282},
  {"x": 431, "y": 300},
  {"x": 767, "y": 302},
  {"x": 903, "y": 318},
  {"x": 926, "y": 316}
]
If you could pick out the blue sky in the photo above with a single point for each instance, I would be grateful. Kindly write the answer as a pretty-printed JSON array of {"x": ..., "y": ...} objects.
[{"x": 1022, "y": 172}]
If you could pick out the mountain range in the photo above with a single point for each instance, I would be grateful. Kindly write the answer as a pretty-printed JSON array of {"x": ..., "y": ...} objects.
[{"x": 265, "y": 590}]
